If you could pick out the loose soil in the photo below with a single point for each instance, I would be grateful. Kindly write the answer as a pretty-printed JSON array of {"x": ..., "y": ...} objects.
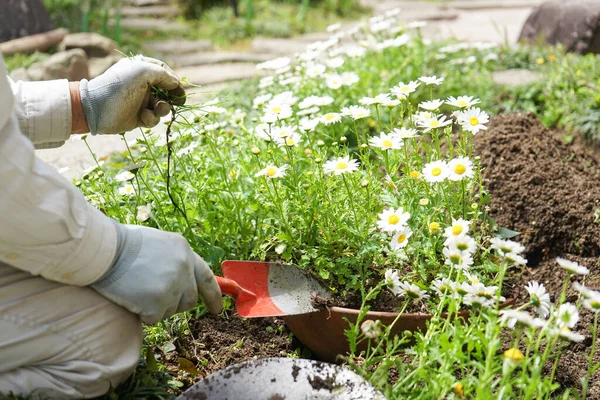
[
  {"x": 548, "y": 191},
  {"x": 217, "y": 342}
]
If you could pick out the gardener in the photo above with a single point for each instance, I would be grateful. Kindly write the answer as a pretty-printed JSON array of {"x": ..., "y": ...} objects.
[{"x": 74, "y": 284}]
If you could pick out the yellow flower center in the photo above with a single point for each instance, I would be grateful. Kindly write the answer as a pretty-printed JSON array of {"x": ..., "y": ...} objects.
[
  {"x": 460, "y": 169},
  {"x": 434, "y": 123},
  {"x": 387, "y": 143},
  {"x": 405, "y": 89},
  {"x": 455, "y": 259},
  {"x": 290, "y": 141},
  {"x": 276, "y": 109},
  {"x": 474, "y": 121},
  {"x": 457, "y": 230},
  {"x": 514, "y": 354},
  {"x": 461, "y": 103},
  {"x": 271, "y": 171},
  {"x": 458, "y": 389},
  {"x": 434, "y": 227},
  {"x": 401, "y": 238},
  {"x": 341, "y": 165},
  {"x": 329, "y": 117},
  {"x": 415, "y": 174},
  {"x": 436, "y": 171},
  {"x": 393, "y": 219}
]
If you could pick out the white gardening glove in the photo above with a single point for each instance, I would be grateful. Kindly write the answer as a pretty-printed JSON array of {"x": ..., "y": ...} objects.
[
  {"x": 156, "y": 274},
  {"x": 121, "y": 98}
]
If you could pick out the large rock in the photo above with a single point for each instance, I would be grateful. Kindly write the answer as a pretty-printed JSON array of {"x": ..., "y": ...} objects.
[
  {"x": 70, "y": 64},
  {"x": 20, "y": 18},
  {"x": 99, "y": 65},
  {"x": 572, "y": 23},
  {"x": 94, "y": 44}
]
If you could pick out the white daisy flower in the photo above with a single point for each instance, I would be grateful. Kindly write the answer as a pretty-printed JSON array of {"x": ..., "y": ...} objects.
[
  {"x": 462, "y": 289},
  {"x": 592, "y": 303},
  {"x": 462, "y": 101},
  {"x": 511, "y": 317},
  {"x": 331, "y": 118},
  {"x": 403, "y": 90},
  {"x": 539, "y": 297},
  {"x": 292, "y": 140},
  {"x": 584, "y": 291},
  {"x": 400, "y": 239},
  {"x": 269, "y": 118},
  {"x": 458, "y": 227},
  {"x": 435, "y": 122},
  {"x": 349, "y": 78},
  {"x": 506, "y": 246},
  {"x": 460, "y": 168},
  {"x": 322, "y": 101},
  {"x": 124, "y": 176},
  {"x": 261, "y": 100},
  {"x": 272, "y": 171},
  {"x": 334, "y": 81},
  {"x": 422, "y": 117},
  {"x": 356, "y": 112},
  {"x": 283, "y": 131},
  {"x": 566, "y": 333},
  {"x": 567, "y": 316},
  {"x": 308, "y": 111},
  {"x": 341, "y": 165},
  {"x": 370, "y": 329},
  {"x": 262, "y": 131},
  {"x": 411, "y": 291},
  {"x": 307, "y": 102},
  {"x": 126, "y": 190},
  {"x": 432, "y": 80},
  {"x": 459, "y": 259},
  {"x": 405, "y": 133},
  {"x": 285, "y": 98},
  {"x": 442, "y": 287},
  {"x": 472, "y": 278},
  {"x": 461, "y": 243},
  {"x": 391, "y": 103},
  {"x": 335, "y": 62},
  {"x": 436, "y": 171},
  {"x": 416, "y": 24},
  {"x": 274, "y": 64},
  {"x": 477, "y": 301},
  {"x": 143, "y": 212},
  {"x": 386, "y": 142},
  {"x": 572, "y": 266},
  {"x": 391, "y": 277},
  {"x": 281, "y": 110},
  {"x": 392, "y": 220},
  {"x": 315, "y": 70},
  {"x": 308, "y": 125},
  {"x": 431, "y": 105},
  {"x": 266, "y": 82},
  {"x": 515, "y": 259},
  {"x": 473, "y": 119}
]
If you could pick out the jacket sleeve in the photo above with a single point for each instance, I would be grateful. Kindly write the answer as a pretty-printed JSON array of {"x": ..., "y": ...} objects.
[
  {"x": 46, "y": 226},
  {"x": 43, "y": 110}
]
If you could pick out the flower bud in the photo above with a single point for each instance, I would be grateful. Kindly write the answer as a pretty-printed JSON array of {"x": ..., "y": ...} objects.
[
  {"x": 254, "y": 150},
  {"x": 343, "y": 139},
  {"x": 364, "y": 183},
  {"x": 371, "y": 329},
  {"x": 415, "y": 174},
  {"x": 424, "y": 202},
  {"x": 320, "y": 143},
  {"x": 434, "y": 227}
]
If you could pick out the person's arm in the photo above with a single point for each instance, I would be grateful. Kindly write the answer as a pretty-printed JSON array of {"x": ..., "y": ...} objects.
[{"x": 46, "y": 226}]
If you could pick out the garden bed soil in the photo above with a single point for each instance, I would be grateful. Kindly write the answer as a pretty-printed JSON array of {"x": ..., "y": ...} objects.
[
  {"x": 216, "y": 342},
  {"x": 548, "y": 191}
]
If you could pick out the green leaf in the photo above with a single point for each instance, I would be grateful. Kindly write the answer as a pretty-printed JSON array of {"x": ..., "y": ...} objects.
[
  {"x": 504, "y": 233},
  {"x": 151, "y": 363},
  {"x": 324, "y": 274},
  {"x": 280, "y": 248}
]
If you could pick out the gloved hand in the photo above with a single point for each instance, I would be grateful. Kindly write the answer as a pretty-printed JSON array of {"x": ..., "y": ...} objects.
[
  {"x": 120, "y": 99},
  {"x": 156, "y": 274}
]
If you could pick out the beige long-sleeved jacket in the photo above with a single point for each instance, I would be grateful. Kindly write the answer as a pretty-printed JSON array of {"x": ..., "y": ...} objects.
[{"x": 46, "y": 226}]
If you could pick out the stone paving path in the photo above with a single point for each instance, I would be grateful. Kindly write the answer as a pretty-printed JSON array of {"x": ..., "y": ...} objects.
[{"x": 469, "y": 20}]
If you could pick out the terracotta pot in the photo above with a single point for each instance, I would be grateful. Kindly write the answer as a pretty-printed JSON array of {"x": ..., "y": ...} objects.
[{"x": 323, "y": 332}]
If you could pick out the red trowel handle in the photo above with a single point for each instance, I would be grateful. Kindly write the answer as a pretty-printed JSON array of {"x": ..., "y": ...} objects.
[{"x": 231, "y": 288}]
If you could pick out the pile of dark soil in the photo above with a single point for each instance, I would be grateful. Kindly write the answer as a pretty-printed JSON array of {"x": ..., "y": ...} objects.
[
  {"x": 541, "y": 187},
  {"x": 548, "y": 191},
  {"x": 217, "y": 342}
]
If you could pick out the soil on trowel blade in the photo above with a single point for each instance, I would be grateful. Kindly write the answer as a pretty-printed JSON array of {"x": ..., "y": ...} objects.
[{"x": 541, "y": 187}]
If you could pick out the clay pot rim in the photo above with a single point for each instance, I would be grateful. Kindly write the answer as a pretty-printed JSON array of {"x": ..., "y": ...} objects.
[{"x": 391, "y": 314}]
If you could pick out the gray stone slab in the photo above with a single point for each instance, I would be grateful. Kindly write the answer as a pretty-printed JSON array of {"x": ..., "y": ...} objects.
[
  {"x": 150, "y": 11},
  {"x": 278, "y": 46},
  {"x": 516, "y": 77},
  {"x": 220, "y": 57},
  {"x": 218, "y": 73},
  {"x": 178, "y": 46},
  {"x": 486, "y": 4},
  {"x": 148, "y": 24}
]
